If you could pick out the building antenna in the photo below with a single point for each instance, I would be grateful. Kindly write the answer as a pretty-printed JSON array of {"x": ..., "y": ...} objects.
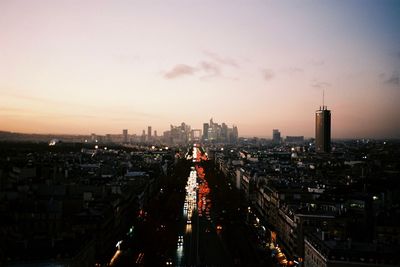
[{"x": 323, "y": 99}]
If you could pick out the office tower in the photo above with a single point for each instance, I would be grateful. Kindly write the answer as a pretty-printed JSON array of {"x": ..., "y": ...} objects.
[
  {"x": 224, "y": 132},
  {"x": 195, "y": 135},
  {"x": 205, "y": 130},
  {"x": 125, "y": 135},
  {"x": 276, "y": 136},
  {"x": 219, "y": 132},
  {"x": 323, "y": 130},
  {"x": 180, "y": 134},
  {"x": 235, "y": 134},
  {"x": 148, "y": 132},
  {"x": 143, "y": 137},
  {"x": 155, "y": 133}
]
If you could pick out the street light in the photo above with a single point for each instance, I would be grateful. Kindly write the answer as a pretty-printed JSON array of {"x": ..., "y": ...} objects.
[{"x": 118, "y": 245}]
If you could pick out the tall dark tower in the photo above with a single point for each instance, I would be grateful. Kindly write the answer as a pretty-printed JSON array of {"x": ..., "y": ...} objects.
[
  {"x": 205, "y": 131},
  {"x": 149, "y": 133},
  {"x": 323, "y": 129},
  {"x": 276, "y": 136}
]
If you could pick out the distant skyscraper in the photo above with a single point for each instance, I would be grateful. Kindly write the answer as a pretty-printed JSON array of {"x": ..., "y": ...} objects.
[
  {"x": 215, "y": 132},
  {"x": 224, "y": 132},
  {"x": 323, "y": 130},
  {"x": 276, "y": 136},
  {"x": 205, "y": 130},
  {"x": 195, "y": 135},
  {"x": 143, "y": 137},
  {"x": 235, "y": 134},
  {"x": 125, "y": 135},
  {"x": 148, "y": 132}
]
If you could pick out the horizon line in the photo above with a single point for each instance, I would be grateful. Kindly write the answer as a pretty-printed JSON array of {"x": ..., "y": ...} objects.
[{"x": 243, "y": 136}]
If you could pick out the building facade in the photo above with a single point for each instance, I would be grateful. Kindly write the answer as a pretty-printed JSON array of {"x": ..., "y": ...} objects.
[
  {"x": 276, "y": 136},
  {"x": 323, "y": 130}
]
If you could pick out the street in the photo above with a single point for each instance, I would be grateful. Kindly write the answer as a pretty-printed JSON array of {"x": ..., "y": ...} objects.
[{"x": 198, "y": 219}]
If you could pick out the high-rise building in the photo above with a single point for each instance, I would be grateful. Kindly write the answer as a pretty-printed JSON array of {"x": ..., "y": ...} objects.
[
  {"x": 215, "y": 132},
  {"x": 125, "y": 135},
  {"x": 205, "y": 130},
  {"x": 224, "y": 132},
  {"x": 148, "y": 133},
  {"x": 195, "y": 135},
  {"x": 276, "y": 136},
  {"x": 235, "y": 134},
  {"x": 143, "y": 137},
  {"x": 180, "y": 134},
  {"x": 323, "y": 130}
]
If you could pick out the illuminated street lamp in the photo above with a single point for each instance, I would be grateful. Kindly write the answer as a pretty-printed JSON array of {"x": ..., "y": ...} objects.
[{"x": 118, "y": 245}]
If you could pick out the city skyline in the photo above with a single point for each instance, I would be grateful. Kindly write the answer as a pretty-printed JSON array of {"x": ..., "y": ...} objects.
[{"x": 69, "y": 67}]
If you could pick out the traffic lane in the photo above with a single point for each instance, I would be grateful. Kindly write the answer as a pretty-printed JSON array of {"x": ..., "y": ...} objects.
[{"x": 191, "y": 252}]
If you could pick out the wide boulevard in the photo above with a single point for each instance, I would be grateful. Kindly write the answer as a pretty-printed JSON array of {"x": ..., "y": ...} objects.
[{"x": 197, "y": 219}]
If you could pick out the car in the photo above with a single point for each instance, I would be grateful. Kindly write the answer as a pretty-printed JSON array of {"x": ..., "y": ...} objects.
[
  {"x": 180, "y": 241},
  {"x": 168, "y": 262},
  {"x": 189, "y": 222},
  {"x": 219, "y": 227}
]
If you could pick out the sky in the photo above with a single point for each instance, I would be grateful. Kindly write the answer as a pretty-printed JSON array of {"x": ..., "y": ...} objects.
[{"x": 95, "y": 66}]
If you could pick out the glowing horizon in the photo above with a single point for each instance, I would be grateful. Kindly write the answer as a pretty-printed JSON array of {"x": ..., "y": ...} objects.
[{"x": 73, "y": 67}]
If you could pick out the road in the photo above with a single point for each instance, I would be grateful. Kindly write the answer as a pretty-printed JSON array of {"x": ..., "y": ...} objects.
[
  {"x": 218, "y": 234},
  {"x": 197, "y": 220}
]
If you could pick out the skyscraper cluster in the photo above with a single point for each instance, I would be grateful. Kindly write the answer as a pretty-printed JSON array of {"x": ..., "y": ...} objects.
[
  {"x": 178, "y": 134},
  {"x": 219, "y": 132}
]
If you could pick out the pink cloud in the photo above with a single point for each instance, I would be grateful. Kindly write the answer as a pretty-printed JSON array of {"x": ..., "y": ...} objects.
[{"x": 180, "y": 70}]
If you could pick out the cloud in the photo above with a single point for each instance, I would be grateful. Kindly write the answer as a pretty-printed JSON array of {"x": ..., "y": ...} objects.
[
  {"x": 221, "y": 60},
  {"x": 319, "y": 84},
  {"x": 207, "y": 68},
  {"x": 210, "y": 68},
  {"x": 268, "y": 74},
  {"x": 180, "y": 70},
  {"x": 394, "y": 79}
]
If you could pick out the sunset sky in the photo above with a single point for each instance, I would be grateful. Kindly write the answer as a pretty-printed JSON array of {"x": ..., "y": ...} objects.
[{"x": 101, "y": 66}]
